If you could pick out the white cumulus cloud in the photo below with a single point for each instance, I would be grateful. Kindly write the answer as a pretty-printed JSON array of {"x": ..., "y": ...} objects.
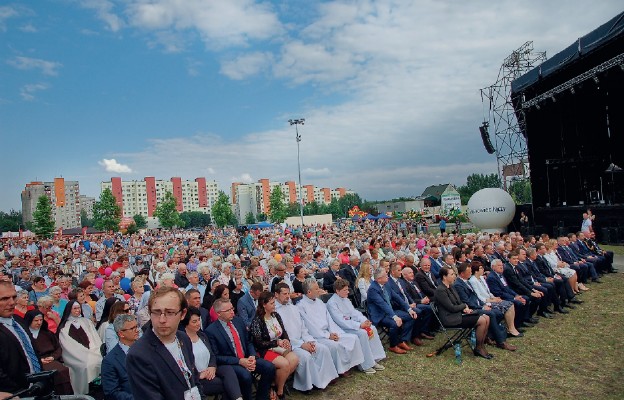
[
  {"x": 244, "y": 178},
  {"x": 111, "y": 165},
  {"x": 26, "y": 63},
  {"x": 28, "y": 91}
]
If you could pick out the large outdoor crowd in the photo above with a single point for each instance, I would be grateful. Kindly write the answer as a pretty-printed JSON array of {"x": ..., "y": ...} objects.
[{"x": 183, "y": 315}]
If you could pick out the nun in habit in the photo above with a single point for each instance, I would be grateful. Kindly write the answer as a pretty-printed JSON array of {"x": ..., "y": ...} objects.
[
  {"x": 81, "y": 347},
  {"x": 48, "y": 348}
]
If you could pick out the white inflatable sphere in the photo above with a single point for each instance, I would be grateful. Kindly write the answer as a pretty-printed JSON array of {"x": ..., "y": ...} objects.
[{"x": 491, "y": 209}]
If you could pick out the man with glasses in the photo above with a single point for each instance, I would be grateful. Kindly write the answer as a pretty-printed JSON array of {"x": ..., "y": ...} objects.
[
  {"x": 114, "y": 376},
  {"x": 161, "y": 364},
  {"x": 230, "y": 342}
]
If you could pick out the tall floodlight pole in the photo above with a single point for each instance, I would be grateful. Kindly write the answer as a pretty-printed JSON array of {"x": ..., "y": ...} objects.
[{"x": 296, "y": 122}]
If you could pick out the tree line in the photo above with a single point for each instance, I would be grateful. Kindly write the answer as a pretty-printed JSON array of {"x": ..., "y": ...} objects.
[{"x": 107, "y": 213}]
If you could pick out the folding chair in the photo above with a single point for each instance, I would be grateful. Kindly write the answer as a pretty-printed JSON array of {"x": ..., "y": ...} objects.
[
  {"x": 325, "y": 297},
  {"x": 453, "y": 335},
  {"x": 384, "y": 331}
]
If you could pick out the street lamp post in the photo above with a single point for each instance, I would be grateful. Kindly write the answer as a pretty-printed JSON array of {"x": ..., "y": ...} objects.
[{"x": 296, "y": 122}]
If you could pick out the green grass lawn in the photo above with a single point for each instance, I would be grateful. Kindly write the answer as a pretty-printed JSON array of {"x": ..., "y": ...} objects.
[
  {"x": 575, "y": 356},
  {"x": 617, "y": 249}
]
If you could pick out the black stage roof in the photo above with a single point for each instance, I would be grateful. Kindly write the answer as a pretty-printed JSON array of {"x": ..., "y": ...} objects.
[{"x": 583, "y": 46}]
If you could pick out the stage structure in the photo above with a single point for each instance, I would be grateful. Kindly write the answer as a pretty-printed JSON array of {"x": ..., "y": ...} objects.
[
  {"x": 570, "y": 111},
  {"x": 510, "y": 143}
]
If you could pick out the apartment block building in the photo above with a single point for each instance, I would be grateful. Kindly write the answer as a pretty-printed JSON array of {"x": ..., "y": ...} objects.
[
  {"x": 64, "y": 197},
  {"x": 255, "y": 197},
  {"x": 142, "y": 196}
]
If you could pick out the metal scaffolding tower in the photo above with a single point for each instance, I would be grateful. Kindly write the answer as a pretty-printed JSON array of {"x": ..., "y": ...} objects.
[{"x": 510, "y": 143}]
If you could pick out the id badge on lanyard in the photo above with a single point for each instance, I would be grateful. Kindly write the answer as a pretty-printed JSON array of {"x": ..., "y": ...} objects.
[{"x": 192, "y": 394}]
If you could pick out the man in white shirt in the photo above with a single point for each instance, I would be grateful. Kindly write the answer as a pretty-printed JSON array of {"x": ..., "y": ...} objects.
[{"x": 316, "y": 367}]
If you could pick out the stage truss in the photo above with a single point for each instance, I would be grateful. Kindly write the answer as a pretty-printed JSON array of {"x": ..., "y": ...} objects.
[{"x": 510, "y": 143}]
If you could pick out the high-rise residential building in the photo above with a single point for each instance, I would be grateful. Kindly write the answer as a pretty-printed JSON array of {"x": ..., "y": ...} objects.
[
  {"x": 255, "y": 197},
  {"x": 142, "y": 197},
  {"x": 64, "y": 197},
  {"x": 86, "y": 203}
]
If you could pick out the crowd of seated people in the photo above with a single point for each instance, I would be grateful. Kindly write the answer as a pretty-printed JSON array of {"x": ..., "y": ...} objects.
[{"x": 282, "y": 303}]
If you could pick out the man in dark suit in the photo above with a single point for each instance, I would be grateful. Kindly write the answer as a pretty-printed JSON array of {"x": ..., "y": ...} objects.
[
  {"x": 435, "y": 258},
  {"x": 180, "y": 277},
  {"x": 588, "y": 240},
  {"x": 468, "y": 296},
  {"x": 330, "y": 276},
  {"x": 556, "y": 289},
  {"x": 549, "y": 296},
  {"x": 350, "y": 271},
  {"x": 17, "y": 357},
  {"x": 155, "y": 371},
  {"x": 400, "y": 322},
  {"x": 579, "y": 248},
  {"x": 421, "y": 326},
  {"x": 246, "y": 307},
  {"x": 519, "y": 286},
  {"x": 425, "y": 279},
  {"x": 229, "y": 340},
  {"x": 114, "y": 375},
  {"x": 500, "y": 288},
  {"x": 193, "y": 298}
]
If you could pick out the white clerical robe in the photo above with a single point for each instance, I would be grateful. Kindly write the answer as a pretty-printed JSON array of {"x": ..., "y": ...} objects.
[
  {"x": 314, "y": 369},
  {"x": 84, "y": 364},
  {"x": 346, "y": 353},
  {"x": 349, "y": 319}
]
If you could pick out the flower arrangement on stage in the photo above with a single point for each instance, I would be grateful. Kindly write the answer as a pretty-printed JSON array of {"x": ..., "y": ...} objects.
[{"x": 455, "y": 214}]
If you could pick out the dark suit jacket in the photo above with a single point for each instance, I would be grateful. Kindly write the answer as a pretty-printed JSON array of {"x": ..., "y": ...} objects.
[
  {"x": 410, "y": 291},
  {"x": 246, "y": 309},
  {"x": 425, "y": 284},
  {"x": 544, "y": 267},
  {"x": 566, "y": 256},
  {"x": 449, "y": 304},
  {"x": 328, "y": 281},
  {"x": 378, "y": 308},
  {"x": 524, "y": 273},
  {"x": 153, "y": 372},
  {"x": 346, "y": 272},
  {"x": 13, "y": 363},
  {"x": 223, "y": 347},
  {"x": 514, "y": 281},
  {"x": 392, "y": 286},
  {"x": 467, "y": 295},
  {"x": 534, "y": 270},
  {"x": 498, "y": 289},
  {"x": 436, "y": 265},
  {"x": 114, "y": 376}
]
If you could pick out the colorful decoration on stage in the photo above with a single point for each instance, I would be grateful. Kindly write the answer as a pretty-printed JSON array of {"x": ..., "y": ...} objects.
[{"x": 356, "y": 212}]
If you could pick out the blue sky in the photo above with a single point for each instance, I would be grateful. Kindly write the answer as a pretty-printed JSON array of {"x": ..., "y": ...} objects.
[{"x": 389, "y": 89}]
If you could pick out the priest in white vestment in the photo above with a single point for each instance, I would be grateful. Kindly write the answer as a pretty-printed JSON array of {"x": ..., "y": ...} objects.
[
  {"x": 316, "y": 367},
  {"x": 352, "y": 321},
  {"x": 345, "y": 347}
]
